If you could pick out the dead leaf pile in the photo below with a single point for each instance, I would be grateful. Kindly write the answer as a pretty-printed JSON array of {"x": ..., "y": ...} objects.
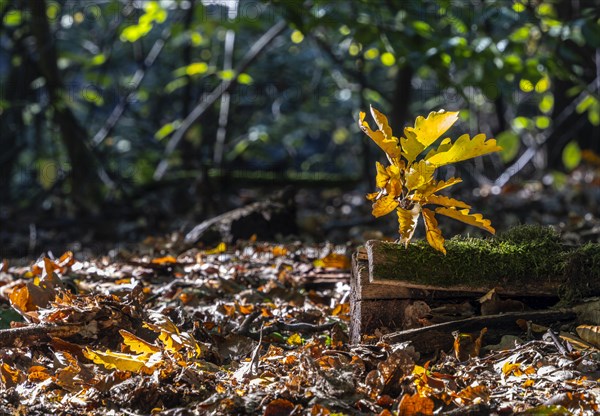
[{"x": 249, "y": 329}]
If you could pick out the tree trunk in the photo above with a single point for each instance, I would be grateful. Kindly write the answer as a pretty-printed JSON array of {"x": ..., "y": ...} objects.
[{"x": 84, "y": 176}]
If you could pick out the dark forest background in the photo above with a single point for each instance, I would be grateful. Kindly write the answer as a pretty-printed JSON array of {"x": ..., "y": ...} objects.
[{"x": 155, "y": 114}]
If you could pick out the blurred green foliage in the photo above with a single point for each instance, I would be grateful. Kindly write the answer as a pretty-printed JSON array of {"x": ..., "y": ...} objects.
[{"x": 524, "y": 71}]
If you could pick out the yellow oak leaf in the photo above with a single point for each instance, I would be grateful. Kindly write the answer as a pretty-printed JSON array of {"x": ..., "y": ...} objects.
[
  {"x": 382, "y": 123},
  {"x": 433, "y": 233},
  {"x": 120, "y": 361},
  {"x": 385, "y": 173},
  {"x": 136, "y": 344},
  {"x": 464, "y": 148},
  {"x": 407, "y": 220},
  {"x": 388, "y": 145},
  {"x": 394, "y": 186},
  {"x": 382, "y": 177},
  {"x": 172, "y": 339},
  {"x": 444, "y": 146},
  {"x": 428, "y": 130},
  {"x": 373, "y": 196},
  {"x": 438, "y": 186},
  {"x": 333, "y": 260},
  {"x": 384, "y": 205},
  {"x": 463, "y": 215},
  {"x": 432, "y": 187},
  {"x": 418, "y": 175},
  {"x": 411, "y": 147},
  {"x": 446, "y": 201}
]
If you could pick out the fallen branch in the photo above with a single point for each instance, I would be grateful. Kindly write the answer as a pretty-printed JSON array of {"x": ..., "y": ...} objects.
[
  {"x": 28, "y": 335},
  {"x": 439, "y": 337},
  {"x": 302, "y": 327}
]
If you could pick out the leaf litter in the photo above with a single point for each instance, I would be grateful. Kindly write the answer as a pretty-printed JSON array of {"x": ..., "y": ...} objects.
[{"x": 253, "y": 328}]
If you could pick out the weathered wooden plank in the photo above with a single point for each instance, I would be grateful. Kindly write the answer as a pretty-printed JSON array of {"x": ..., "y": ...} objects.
[
  {"x": 366, "y": 289},
  {"x": 526, "y": 262},
  {"x": 377, "y": 305}
]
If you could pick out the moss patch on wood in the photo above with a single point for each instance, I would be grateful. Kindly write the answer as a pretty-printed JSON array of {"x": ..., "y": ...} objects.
[{"x": 523, "y": 256}]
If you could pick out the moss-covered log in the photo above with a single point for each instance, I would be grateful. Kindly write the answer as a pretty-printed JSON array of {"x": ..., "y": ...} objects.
[{"x": 527, "y": 260}]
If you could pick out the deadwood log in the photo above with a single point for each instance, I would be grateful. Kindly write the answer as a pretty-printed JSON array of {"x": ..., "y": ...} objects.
[
  {"x": 265, "y": 219},
  {"x": 528, "y": 263},
  {"x": 429, "y": 339}
]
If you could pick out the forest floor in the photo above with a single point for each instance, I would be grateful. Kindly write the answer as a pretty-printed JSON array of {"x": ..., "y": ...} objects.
[
  {"x": 262, "y": 328},
  {"x": 254, "y": 328}
]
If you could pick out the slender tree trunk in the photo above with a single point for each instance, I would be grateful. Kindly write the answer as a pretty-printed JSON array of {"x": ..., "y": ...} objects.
[
  {"x": 84, "y": 177},
  {"x": 189, "y": 150}
]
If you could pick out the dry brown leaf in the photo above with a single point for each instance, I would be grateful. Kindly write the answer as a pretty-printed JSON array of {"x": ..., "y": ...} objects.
[
  {"x": 467, "y": 345},
  {"x": 415, "y": 405},
  {"x": 279, "y": 407}
]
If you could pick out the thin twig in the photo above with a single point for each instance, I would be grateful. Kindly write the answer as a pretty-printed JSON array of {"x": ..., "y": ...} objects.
[
  {"x": 516, "y": 167},
  {"x": 207, "y": 101},
  {"x": 136, "y": 81}
]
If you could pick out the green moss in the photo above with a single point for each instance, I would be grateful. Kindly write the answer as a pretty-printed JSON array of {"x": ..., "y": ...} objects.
[{"x": 530, "y": 254}]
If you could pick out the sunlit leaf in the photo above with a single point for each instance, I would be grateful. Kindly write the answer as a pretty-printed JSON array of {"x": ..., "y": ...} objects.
[
  {"x": 37, "y": 373},
  {"x": 294, "y": 339},
  {"x": 385, "y": 173},
  {"x": 333, "y": 260},
  {"x": 415, "y": 405},
  {"x": 463, "y": 215},
  {"x": 220, "y": 248},
  {"x": 571, "y": 155},
  {"x": 411, "y": 148},
  {"x": 118, "y": 361},
  {"x": 388, "y": 145},
  {"x": 279, "y": 251},
  {"x": 433, "y": 233},
  {"x": 10, "y": 376},
  {"x": 137, "y": 345},
  {"x": 428, "y": 130},
  {"x": 382, "y": 123},
  {"x": 384, "y": 205},
  {"x": 418, "y": 175},
  {"x": 465, "y": 148},
  {"x": 512, "y": 368},
  {"x": 445, "y": 201},
  {"x": 407, "y": 220}
]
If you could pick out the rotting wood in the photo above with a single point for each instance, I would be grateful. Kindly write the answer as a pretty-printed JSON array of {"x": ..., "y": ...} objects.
[
  {"x": 264, "y": 218},
  {"x": 528, "y": 262},
  {"x": 429, "y": 339},
  {"x": 378, "y": 304}
]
